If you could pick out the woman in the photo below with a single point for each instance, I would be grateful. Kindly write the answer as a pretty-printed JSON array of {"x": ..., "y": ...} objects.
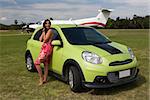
[{"x": 46, "y": 51}]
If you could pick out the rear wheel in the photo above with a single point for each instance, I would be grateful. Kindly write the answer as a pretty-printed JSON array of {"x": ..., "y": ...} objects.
[
  {"x": 74, "y": 79},
  {"x": 29, "y": 63}
]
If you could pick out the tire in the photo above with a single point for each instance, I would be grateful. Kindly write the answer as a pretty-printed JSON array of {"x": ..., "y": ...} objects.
[
  {"x": 74, "y": 79},
  {"x": 29, "y": 63}
]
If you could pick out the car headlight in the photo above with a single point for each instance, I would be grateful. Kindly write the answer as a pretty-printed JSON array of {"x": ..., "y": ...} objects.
[
  {"x": 91, "y": 57},
  {"x": 131, "y": 53}
]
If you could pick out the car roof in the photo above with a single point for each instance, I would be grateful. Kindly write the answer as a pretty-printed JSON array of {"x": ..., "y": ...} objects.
[
  {"x": 67, "y": 25},
  {"x": 61, "y": 26}
]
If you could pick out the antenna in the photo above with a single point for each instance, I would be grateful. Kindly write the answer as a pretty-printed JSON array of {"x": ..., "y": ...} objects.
[{"x": 72, "y": 21}]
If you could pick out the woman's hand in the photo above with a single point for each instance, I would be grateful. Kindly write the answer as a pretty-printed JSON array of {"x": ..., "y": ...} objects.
[
  {"x": 42, "y": 36},
  {"x": 43, "y": 30},
  {"x": 47, "y": 36}
]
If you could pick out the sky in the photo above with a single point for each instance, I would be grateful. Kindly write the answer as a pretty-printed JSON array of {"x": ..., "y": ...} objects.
[{"x": 37, "y": 10}]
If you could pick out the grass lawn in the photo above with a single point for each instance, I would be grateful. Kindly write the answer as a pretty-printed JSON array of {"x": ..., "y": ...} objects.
[{"x": 16, "y": 83}]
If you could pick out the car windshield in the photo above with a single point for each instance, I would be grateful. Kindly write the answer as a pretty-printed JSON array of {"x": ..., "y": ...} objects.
[{"x": 83, "y": 36}]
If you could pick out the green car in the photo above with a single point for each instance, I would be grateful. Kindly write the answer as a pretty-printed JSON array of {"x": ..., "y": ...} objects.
[{"x": 84, "y": 57}]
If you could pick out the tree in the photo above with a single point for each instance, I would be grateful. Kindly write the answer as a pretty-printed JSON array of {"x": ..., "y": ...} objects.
[
  {"x": 110, "y": 24},
  {"x": 146, "y": 22},
  {"x": 16, "y": 22},
  {"x": 136, "y": 22}
]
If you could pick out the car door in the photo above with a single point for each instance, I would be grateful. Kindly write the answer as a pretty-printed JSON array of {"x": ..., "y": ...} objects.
[
  {"x": 56, "y": 62},
  {"x": 35, "y": 44}
]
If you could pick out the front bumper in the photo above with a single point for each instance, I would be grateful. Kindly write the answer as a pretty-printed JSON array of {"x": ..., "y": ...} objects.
[{"x": 106, "y": 82}]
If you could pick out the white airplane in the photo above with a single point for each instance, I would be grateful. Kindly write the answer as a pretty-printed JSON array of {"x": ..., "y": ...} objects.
[{"x": 99, "y": 21}]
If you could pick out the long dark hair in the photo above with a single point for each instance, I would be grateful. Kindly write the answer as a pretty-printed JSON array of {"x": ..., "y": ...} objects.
[{"x": 44, "y": 25}]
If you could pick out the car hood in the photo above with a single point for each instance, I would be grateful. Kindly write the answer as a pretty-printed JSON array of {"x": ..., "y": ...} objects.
[{"x": 104, "y": 49}]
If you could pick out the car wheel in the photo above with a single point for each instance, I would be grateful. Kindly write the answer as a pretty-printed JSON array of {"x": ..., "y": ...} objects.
[
  {"x": 30, "y": 64},
  {"x": 74, "y": 79}
]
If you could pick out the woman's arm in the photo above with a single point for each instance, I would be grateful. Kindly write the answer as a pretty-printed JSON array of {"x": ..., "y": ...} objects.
[
  {"x": 41, "y": 37},
  {"x": 47, "y": 36}
]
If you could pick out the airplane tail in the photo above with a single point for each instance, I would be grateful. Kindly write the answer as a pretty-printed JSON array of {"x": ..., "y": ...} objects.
[
  {"x": 104, "y": 15},
  {"x": 100, "y": 20}
]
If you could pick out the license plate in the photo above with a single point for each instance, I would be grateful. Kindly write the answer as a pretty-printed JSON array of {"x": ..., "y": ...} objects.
[{"x": 124, "y": 73}]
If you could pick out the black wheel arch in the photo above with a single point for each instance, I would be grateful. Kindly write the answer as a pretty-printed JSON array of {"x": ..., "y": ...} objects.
[
  {"x": 66, "y": 66},
  {"x": 27, "y": 53}
]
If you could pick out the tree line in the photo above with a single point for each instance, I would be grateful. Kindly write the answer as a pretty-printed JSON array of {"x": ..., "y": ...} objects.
[
  {"x": 137, "y": 22},
  {"x": 14, "y": 26}
]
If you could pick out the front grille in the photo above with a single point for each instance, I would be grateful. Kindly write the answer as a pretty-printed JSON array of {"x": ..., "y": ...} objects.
[
  {"x": 115, "y": 63},
  {"x": 114, "y": 76}
]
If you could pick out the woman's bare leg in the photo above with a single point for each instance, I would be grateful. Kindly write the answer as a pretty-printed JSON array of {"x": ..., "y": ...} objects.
[
  {"x": 40, "y": 73},
  {"x": 45, "y": 72}
]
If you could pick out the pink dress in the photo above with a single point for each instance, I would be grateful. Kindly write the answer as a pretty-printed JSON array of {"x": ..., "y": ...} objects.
[{"x": 45, "y": 53}]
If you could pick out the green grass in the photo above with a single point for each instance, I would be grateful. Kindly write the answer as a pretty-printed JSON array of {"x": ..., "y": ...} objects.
[{"x": 17, "y": 83}]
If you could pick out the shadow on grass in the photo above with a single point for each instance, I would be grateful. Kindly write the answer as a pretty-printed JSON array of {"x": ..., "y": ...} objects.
[
  {"x": 53, "y": 77},
  {"x": 50, "y": 77},
  {"x": 108, "y": 91},
  {"x": 117, "y": 89}
]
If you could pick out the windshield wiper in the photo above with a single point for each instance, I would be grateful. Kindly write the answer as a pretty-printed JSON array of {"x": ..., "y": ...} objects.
[
  {"x": 93, "y": 42},
  {"x": 105, "y": 42}
]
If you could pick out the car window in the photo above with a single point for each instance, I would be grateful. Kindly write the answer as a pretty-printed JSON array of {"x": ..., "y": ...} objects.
[
  {"x": 56, "y": 35},
  {"x": 90, "y": 37},
  {"x": 83, "y": 36},
  {"x": 39, "y": 33}
]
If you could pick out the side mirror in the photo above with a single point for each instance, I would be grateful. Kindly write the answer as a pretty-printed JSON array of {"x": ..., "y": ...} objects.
[{"x": 56, "y": 43}]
